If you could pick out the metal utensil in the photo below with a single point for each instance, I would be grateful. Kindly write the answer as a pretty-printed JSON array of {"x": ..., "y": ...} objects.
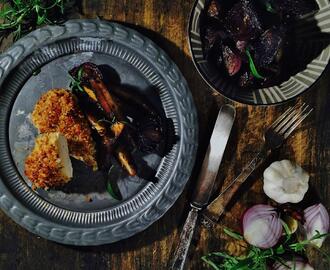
[
  {"x": 274, "y": 137},
  {"x": 205, "y": 181}
]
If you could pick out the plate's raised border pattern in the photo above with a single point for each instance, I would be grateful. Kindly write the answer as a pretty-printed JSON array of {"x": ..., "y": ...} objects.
[{"x": 187, "y": 128}]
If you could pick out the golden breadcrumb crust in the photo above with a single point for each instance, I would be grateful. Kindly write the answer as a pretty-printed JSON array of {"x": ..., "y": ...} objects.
[
  {"x": 43, "y": 166},
  {"x": 57, "y": 110}
]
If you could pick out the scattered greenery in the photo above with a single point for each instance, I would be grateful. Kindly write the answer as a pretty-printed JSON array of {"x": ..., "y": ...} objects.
[
  {"x": 21, "y": 16},
  {"x": 253, "y": 68},
  {"x": 259, "y": 259},
  {"x": 75, "y": 84},
  {"x": 268, "y": 6},
  {"x": 112, "y": 190},
  {"x": 111, "y": 122}
]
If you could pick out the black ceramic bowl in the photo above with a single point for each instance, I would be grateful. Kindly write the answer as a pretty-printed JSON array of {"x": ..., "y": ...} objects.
[{"x": 312, "y": 39}]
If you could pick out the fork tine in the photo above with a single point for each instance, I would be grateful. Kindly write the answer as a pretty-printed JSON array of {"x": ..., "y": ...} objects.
[
  {"x": 288, "y": 132},
  {"x": 284, "y": 115},
  {"x": 293, "y": 119},
  {"x": 279, "y": 119},
  {"x": 287, "y": 118}
]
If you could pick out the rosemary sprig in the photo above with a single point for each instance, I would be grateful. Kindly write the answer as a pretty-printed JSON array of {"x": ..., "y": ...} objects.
[
  {"x": 257, "y": 258},
  {"x": 21, "y": 16},
  {"x": 111, "y": 122},
  {"x": 75, "y": 84}
]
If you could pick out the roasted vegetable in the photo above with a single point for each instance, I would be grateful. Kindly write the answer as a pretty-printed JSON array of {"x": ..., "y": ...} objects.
[
  {"x": 125, "y": 123},
  {"x": 213, "y": 41},
  {"x": 117, "y": 128},
  {"x": 232, "y": 60},
  {"x": 90, "y": 93},
  {"x": 242, "y": 21},
  {"x": 214, "y": 9},
  {"x": 149, "y": 134},
  {"x": 268, "y": 48},
  {"x": 133, "y": 99},
  {"x": 91, "y": 81},
  {"x": 292, "y": 9},
  {"x": 107, "y": 102},
  {"x": 111, "y": 127},
  {"x": 251, "y": 41},
  {"x": 125, "y": 160},
  {"x": 246, "y": 79}
]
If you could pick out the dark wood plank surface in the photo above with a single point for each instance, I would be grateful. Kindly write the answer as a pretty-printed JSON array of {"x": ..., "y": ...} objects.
[{"x": 165, "y": 22}]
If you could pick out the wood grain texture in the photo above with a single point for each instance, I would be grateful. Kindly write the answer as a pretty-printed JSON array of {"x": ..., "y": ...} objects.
[{"x": 165, "y": 22}]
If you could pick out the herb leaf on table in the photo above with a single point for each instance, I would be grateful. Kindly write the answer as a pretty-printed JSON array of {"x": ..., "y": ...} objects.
[
  {"x": 257, "y": 258},
  {"x": 18, "y": 17}
]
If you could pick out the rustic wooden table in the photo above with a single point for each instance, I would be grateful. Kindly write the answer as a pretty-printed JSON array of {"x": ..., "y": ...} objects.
[{"x": 165, "y": 22}]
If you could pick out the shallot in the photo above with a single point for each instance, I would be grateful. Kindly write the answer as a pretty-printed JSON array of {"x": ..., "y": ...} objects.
[
  {"x": 262, "y": 226},
  {"x": 316, "y": 221}
]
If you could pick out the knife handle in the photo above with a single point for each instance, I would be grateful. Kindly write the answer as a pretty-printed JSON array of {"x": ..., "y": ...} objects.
[
  {"x": 187, "y": 233},
  {"x": 217, "y": 207}
]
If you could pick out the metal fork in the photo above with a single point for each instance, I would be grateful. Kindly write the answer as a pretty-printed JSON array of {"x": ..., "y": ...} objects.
[{"x": 274, "y": 138}]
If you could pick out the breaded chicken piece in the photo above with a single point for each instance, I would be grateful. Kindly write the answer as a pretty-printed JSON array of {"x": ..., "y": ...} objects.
[
  {"x": 58, "y": 111},
  {"x": 49, "y": 164}
]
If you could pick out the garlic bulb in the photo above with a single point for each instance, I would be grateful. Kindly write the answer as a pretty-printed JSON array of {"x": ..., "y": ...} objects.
[{"x": 285, "y": 182}]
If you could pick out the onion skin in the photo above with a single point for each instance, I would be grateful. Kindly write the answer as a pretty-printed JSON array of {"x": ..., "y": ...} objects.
[
  {"x": 262, "y": 226},
  {"x": 297, "y": 264},
  {"x": 316, "y": 219}
]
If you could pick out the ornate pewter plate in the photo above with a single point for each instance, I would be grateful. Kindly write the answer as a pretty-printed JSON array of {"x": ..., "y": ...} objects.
[
  {"x": 311, "y": 34},
  {"x": 40, "y": 61}
]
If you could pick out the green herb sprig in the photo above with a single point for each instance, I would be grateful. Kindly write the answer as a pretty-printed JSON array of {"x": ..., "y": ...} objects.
[
  {"x": 268, "y": 6},
  {"x": 21, "y": 16},
  {"x": 258, "y": 259},
  {"x": 112, "y": 187},
  {"x": 75, "y": 83},
  {"x": 252, "y": 66}
]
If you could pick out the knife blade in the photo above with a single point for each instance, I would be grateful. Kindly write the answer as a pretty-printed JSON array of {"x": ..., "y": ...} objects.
[{"x": 205, "y": 182}]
